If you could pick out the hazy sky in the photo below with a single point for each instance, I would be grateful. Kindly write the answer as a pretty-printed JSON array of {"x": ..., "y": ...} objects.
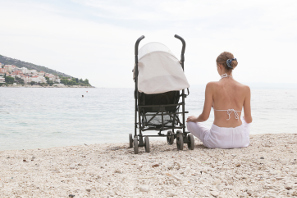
[{"x": 95, "y": 39}]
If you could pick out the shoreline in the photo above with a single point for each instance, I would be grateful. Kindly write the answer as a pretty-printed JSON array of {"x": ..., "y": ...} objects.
[{"x": 266, "y": 168}]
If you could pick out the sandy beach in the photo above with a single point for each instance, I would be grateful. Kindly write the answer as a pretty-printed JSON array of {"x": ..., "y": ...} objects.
[{"x": 267, "y": 168}]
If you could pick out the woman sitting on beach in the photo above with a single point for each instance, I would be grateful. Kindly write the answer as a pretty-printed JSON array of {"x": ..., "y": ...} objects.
[{"x": 227, "y": 97}]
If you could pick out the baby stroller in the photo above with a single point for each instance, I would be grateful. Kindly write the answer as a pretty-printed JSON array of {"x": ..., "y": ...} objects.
[{"x": 160, "y": 84}]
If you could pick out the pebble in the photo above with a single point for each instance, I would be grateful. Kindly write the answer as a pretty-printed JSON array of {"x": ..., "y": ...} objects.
[
  {"x": 72, "y": 166},
  {"x": 279, "y": 178},
  {"x": 171, "y": 194},
  {"x": 144, "y": 189},
  {"x": 214, "y": 193},
  {"x": 249, "y": 192}
]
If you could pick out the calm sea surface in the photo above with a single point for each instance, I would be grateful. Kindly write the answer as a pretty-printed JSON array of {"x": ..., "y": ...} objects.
[{"x": 51, "y": 117}]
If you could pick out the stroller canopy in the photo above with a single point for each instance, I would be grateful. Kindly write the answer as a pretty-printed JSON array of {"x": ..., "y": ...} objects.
[{"x": 159, "y": 70}]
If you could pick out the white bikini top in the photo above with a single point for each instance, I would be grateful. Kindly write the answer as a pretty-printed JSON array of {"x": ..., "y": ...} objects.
[{"x": 229, "y": 111}]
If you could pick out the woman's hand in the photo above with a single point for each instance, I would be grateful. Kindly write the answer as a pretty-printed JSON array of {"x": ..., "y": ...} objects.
[{"x": 192, "y": 119}]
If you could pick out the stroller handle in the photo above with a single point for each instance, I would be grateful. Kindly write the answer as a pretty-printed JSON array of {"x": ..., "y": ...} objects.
[
  {"x": 136, "y": 58},
  {"x": 137, "y": 44},
  {"x": 182, "y": 59}
]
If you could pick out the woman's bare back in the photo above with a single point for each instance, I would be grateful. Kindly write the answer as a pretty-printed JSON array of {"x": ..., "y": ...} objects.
[{"x": 228, "y": 94}]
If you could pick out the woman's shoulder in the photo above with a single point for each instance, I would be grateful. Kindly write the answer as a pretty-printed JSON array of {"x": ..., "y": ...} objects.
[
  {"x": 243, "y": 86},
  {"x": 243, "y": 89},
  {"x": 212, "y": 85}
]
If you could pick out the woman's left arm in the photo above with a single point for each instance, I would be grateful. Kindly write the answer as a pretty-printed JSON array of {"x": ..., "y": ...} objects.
[
  {"x": 207, "y": 105},
  {"x": 247, "y": 106}
]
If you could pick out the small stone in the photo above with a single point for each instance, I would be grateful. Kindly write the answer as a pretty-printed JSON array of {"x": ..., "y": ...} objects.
[
  {"x": 238, "y": 165},
  {"x": 71, "y": 195},
  {"x": 139, "y": 166},
  {"x": 176, "y": 177},
  {"x": 261, "y": 157},
  {"x": 288, "y": 187},
  {"x": 268, "y": 187},
  {"x": 57, "y": 170},
  {"x": 88, "y": 190},
  {"x": 214, "y": 193},
  {"x": 171, "y": 194},
  {"x": 279, "y": 178},
  {"x": 72, "y": 166},
  {"x": 249, "y": 192},
  {"x": 144, "y": 188},
  {"x": 155, "y": 165}
]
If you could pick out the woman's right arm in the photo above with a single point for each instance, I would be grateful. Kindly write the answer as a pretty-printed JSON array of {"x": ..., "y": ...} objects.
[{"x": 247, "y": 106}]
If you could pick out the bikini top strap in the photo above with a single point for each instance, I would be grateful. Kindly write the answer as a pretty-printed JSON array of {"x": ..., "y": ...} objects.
[{"x": 229, "y": 111}]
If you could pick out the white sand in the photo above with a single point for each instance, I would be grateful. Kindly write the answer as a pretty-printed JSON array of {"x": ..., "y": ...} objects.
[{"x": 267, "y": 168}]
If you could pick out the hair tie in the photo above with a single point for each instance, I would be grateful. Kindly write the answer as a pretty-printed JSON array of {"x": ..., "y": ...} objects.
[{"x": 229, "y": 61}]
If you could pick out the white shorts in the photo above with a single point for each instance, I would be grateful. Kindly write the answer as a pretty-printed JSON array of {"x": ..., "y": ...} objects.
[{"x": 221, "y": 137}]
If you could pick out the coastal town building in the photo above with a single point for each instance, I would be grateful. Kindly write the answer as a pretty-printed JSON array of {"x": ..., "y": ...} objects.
[
  {"x": 2, "y": 80},
  {"x": 2, "y": 73},
  {"x": 28, "y": 76},
  {"x": 9, "y": 68}
]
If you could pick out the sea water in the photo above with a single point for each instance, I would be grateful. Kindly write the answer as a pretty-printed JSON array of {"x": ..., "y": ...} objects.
[{"x": 53, "y": 117}]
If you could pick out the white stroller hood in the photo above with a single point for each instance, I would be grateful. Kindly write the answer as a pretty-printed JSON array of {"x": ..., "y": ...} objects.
[{"x": 159, "y": 70}]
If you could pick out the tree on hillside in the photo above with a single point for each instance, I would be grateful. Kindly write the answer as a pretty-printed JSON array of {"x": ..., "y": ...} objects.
[
  {"x": 86, "y": 82},
  {"x": 9, "y": 79},
  {"x": 19, "y": 80},
  {"x": 74, "y": 81},
  {"x": 48, "y": 81}
]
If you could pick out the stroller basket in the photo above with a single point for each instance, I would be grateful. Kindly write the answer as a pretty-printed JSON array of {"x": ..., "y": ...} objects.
[{"x": 159, "y": 95}]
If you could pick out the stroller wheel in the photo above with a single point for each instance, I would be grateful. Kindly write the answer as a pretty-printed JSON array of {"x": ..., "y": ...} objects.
[
  {"x": 191, "y": 141},
  {"x": 170, "y": 137},
  {"x": 147, "y": 144},
  {"x": 135, "y": 145},
  {"x": 130, "y": 141},
  {"x": 179, "y": 141}
]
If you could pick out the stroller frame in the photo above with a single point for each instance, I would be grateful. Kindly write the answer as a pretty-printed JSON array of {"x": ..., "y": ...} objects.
[{"x": 181, "y": 136}]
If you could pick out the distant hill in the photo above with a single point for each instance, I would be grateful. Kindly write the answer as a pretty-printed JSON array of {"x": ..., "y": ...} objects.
[{"x": 11, "y": 61}]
